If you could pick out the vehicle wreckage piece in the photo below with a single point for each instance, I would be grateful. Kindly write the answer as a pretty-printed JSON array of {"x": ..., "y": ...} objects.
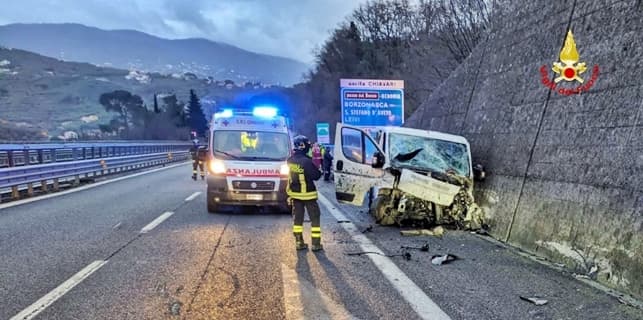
[
  {"x": 419, "y": 199},
  {"x": 436, "y": 232}
]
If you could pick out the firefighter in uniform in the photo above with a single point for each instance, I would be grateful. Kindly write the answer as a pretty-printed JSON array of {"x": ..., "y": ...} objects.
[
  {"x": 199, "y": 156},
  {"x": 202, "y": 154},
  {"x": 303, "y": 194}
]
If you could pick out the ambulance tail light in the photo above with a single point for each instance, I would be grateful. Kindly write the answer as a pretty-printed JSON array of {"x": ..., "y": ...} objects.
[
  {"x": 264, "y": 112},
  {"x": 284, "y": 170},
  {"x": 217, "y": 166}
]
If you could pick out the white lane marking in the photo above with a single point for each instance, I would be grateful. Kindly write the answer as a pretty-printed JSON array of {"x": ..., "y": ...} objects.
[
  {"x": 303, "y": 301},
  {"x": 89, "y": 186},
  {"x": 419, "y": 301},
  {"x": 51, "y": 297},
  {"x": 193, "y": 196},
  {"x": 156, "y": 222}
]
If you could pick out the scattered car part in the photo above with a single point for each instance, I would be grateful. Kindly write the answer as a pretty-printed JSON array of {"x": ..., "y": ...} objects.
[
  {"x": 534, "y": 300},
  {"x": 443, "y": 259},
  {"x": 436, "y": 232}
]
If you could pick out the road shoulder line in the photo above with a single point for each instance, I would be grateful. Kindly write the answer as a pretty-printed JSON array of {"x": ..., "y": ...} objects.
[{"x": 417, "y": 299}]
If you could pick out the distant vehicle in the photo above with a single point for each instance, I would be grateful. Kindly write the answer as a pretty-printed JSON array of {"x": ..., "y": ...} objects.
[
  {"x": 248, "y": 153},
  {"x": 409, "y": 174}
]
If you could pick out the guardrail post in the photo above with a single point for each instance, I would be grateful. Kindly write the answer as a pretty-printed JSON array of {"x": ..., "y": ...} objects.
[
  {"x": 54, "y": 158},
  {"x": 76, "y": 180},
  {"x": 84, "y": 153},
  {"x": 30, "y": 189},
  {"x": 56, "y": 186},
  {"x": 15, "y": 193},
  {"x": 10, "y": 158},
  {"x": 43, "y": 186},
  {"x": 41, "y": 158},
  {"x": 27, "y": 157}
]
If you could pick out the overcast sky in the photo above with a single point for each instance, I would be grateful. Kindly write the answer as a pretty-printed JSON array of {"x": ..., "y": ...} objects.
[{"x": 289, "y": 28}]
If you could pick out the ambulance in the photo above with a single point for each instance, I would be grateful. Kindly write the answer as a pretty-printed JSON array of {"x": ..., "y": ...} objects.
[{"x": 247, "y": 161}]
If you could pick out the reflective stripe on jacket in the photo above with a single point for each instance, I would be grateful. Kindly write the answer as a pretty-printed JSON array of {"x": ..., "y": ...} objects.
[{"x": 302, "y": 177}]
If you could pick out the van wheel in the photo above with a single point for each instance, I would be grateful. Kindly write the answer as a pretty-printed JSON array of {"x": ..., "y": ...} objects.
[
  {"x": 383, "y": 211},
  {"x": 212, "y": 206}
]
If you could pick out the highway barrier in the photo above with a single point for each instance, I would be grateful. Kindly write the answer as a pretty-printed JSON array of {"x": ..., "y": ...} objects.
[{"x": 45, "y": 165}]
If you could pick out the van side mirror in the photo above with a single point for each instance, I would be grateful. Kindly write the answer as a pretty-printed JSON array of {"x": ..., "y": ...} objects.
[
  {"x": 378, "y": 160},
  {"x": 479, "y": 173}
]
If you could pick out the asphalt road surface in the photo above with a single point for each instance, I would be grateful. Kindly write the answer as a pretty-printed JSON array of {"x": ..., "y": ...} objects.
[{"x": 146, "y": 248}]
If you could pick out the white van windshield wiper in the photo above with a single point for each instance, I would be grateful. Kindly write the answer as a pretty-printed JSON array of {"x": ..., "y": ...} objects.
[{"x": 227, "y": 154}]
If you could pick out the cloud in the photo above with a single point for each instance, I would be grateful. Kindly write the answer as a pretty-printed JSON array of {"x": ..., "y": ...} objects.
[{"x": 290, "y": 28}]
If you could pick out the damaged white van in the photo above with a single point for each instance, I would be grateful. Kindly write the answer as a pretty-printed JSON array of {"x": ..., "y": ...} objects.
[{"x": 411, "y": 176}]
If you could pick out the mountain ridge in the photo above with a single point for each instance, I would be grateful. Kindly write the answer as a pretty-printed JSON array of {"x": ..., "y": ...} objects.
[{"x": 132, "y": 49}]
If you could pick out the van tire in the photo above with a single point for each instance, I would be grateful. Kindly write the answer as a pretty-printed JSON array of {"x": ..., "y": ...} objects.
[
  {"x": 383, "y": 211},
  {"x": 212, "y": 206}
]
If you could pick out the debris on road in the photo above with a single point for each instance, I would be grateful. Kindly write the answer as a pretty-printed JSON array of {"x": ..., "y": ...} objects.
[
  {"x": 175, "y": 308},
  {"x": 535, "y": 300},
  {"x": 481, "y": 231},
  {"x": 443, "y": 259},
  {"x": 343, "y": 221},
  {"x": 592, "y": 272},
  {"x": 368, "y": 229},
  {"x": 424, "y": 248},
  {"x": 406, "y": 255},
  {"x": 436, "y": 232}
]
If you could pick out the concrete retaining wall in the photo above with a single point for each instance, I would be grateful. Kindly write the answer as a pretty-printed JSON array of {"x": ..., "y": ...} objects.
[{"x": 565, "y": 171}]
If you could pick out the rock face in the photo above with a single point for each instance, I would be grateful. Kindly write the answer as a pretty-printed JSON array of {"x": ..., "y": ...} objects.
[{"x": 565, "y": 171}]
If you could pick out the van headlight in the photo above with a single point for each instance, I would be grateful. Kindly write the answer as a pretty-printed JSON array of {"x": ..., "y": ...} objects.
[
  {"x": 217, "y": 166},
  {"x": 284, "y": 170}
]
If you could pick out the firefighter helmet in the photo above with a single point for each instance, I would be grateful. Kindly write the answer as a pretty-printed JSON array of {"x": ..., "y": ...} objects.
[{"x": 301, "y": 143}]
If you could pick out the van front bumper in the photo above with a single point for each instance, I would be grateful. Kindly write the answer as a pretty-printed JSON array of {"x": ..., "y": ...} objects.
[{"x": 219, "y": 193}]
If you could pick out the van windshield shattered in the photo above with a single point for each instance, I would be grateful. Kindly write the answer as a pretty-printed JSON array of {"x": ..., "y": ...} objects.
[
  {"x": 428, "y": 154},
  {"x": 250, "y": 145}
]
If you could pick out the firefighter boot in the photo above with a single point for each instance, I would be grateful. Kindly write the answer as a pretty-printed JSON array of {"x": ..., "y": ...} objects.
[
  {"x": 194, "y": 177},
  {"x": 299, "y": 242},
  {"x": 317, "y": 246}
]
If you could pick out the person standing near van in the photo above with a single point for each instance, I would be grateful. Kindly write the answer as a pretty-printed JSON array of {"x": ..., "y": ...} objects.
[
  {"x": 317, "y": 156},
  {"x": 303, "y": 194},
  {"x": 327, "y": 163}
]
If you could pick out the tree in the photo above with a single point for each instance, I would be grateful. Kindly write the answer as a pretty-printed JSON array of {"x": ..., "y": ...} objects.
[
  {"x": 196, "y": 117},
  {"x": 174, "y": 110},
  {"x": 156, "y": 105},
  {"x": 460, "y": 24},
  {"x": 130, "y": 108}
]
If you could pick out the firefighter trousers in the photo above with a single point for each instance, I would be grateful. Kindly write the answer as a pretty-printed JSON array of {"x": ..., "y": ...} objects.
[
  {"x": 298, "y": 208},
  {"x": 200, "y": 165}
]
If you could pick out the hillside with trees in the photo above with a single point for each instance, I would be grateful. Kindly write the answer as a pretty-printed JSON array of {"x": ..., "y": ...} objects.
[{"x": 418, "y": 42}]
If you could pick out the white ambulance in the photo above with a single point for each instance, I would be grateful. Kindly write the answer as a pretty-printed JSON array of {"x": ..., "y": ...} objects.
[{"x": 247, "y": 164}]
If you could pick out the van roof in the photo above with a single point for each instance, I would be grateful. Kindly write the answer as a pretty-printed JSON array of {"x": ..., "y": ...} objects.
[
  {"x": 426, "y": 133},
  {"x": 250, "y": 123}
]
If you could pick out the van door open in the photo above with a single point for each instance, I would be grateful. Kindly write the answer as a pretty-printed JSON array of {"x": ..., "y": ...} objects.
[{"x": 358, "y": 164}]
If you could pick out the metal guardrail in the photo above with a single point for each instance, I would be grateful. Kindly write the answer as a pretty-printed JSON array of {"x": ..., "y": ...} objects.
[
  {"x": 44, "y": 164},
  {"x": 12, "y": 155}
]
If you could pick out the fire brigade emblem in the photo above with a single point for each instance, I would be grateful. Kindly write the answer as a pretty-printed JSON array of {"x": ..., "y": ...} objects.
[
  {"x": 569, "y": 68},
  {"x": 567, "y": 72}
]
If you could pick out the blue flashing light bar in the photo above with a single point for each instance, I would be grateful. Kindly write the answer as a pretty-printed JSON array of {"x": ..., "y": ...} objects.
[
  {"x": 264, "y": 112},
  {"x": 226, "y": 113}
]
